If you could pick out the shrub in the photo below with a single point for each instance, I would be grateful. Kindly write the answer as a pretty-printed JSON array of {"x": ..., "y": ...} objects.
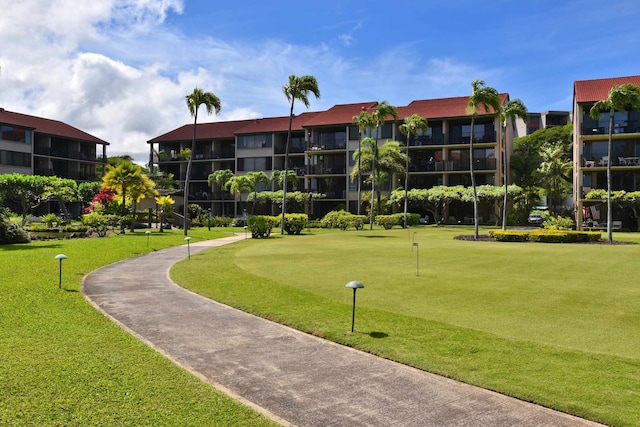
[
  {"x": 10, "y": 231},
  {"x": 343, "y": 220},
  {"x": 51, "y": 220},
  {"x": 387, "y": 221},
  {"x": 557, "y": 223},
  {"x": 98, "y": 223},
  {"x": 509, "y": 235},
  {"x": 219, "y": 221},
  {"x": 294, "y": 223},
  {"x": 260, "y": 225}
]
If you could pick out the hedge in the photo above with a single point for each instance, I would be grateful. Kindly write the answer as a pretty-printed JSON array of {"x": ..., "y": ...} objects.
[{"x": 545, "y": 236}]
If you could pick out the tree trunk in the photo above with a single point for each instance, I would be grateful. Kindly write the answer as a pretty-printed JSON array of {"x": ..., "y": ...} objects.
[
  {"x": 186, "y": 180},
  {"x": 286, "y": 168},
  {"x": 609, "y": 184},
  {"x": 406, "y": 182},
  {"x": 505, "y": 180},
  {"x": 473, "y": 182}
]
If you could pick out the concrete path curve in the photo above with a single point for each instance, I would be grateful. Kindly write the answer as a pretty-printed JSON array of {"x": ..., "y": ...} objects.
[{"x": 294, "y": 378}]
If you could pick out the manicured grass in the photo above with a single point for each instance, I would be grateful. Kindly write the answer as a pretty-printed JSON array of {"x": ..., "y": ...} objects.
[
  {"x": 553, "y": 324},
  {"x": 65, "y": 364}
]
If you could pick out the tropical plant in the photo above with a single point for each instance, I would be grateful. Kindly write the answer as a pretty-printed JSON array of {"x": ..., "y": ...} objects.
[
  {"x": 145, "y": 189},
  {"x": 220, "y": 178},
  {"x": 299, "y": 89},
  {"x": 194, "y": 100},
  {"x": 165, "y": 203},
  {"x": 489, "y": 99},
  {"x": 620, "y": 98},
  {"x": 237, "y": 185},
  {"x": 254, "y": 179},
  {"x": 412, "y": 126},
  {"x": 389, "y": 159},
  {"x": 365, "y": 122},
  {"x": 509, "y": 111},
  {"x": 555, "y": 170},
  {"x": 120, "y": 178},
  {"x": 380, "y": 115}
]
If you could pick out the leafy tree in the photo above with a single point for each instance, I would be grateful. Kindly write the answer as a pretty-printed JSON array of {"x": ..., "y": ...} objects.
[
  {"x": 489, "y": 99},
  {"x": 220, "y": 178},
  {"x": 87, "y": 191},
  {"x": 121, "y": 178},
  {"x": 277, "y": 177},
  {"x": 299, "y": 89},
  {"x": 194, "y": 100},
  {"x": 555, "y": 170},
  {"x": 364, "y": 121},
  {"x": 620, "y": 98},
  {"x": 30, "y": 191},
  {"x": 145, "y": 189},
  {"x": 512, "y": 109},
  {"x": 412, "y": 126}
]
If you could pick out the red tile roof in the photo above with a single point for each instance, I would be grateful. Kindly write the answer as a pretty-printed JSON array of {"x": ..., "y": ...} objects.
[
  {"x": 47, "y": 126},
  {"x": 442, "y": 108},
  {"x": 277, "y": 124},
  {"x": 597, "y": 90},
  {"x": 341, "y": 114},
  {"x": 212, "y": 130}
]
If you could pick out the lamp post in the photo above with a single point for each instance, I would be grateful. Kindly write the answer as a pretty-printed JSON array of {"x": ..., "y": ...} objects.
[
  {"x": 355, "y": 285},
  {"x": 210, "y": 218},
  {"x": 417, "y": 258},
  {"x": 60, "y": 257},
  {"x": 188, "y": 239},
  {"x": 245, "y": 231},
  {"x": 148, "y": 233}
]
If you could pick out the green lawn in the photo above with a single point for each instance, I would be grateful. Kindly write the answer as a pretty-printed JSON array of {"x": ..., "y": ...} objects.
[
  {"x": 553, "y": 324},
  {"x": 65, "y": 364}
]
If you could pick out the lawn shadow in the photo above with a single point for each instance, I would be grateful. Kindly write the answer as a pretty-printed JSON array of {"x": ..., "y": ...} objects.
[
  {"x": 375, "y": 236},
  {"x": 23, "y": 246},
  {"x": 378, "y": 335}
]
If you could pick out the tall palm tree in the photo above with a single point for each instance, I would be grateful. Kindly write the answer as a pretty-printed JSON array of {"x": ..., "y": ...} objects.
[
  {"x": 382, "y": 113},
  {"x": 555, "y": 169},
  {"x": 509, "y": 111},
  {"x": 194, "y": 100},
  {"x": 364, "y": 121},
  {"x": 389, "y": 159},
  {"x": 220, "y": 178},
  {"x": 412, "y": 125},
  {"x": 298, "y": 88},
  {"x": 488, "y": 98},
  {"x": 620, "y": 98},
  {"x": 120, "y": 178}
]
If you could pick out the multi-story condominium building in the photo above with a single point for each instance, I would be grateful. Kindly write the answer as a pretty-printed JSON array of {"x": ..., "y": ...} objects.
[
  {"x": 322, "y": 148},
  {"x": 590, "y": 150},
  {"x": 32, "y": 145},
  {"x": 545, "y": 120}
]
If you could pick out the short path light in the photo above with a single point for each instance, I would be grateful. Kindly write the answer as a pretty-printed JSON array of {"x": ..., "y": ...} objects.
[
  {"x": 417, "y": 258},
  {"x": 188, "y": 239},
  {"x": 355, "y": 285},
  {"x": 245, "y": 231},
  {"x": 60, "y": 257},
  {"x": 148, "y": 233}
]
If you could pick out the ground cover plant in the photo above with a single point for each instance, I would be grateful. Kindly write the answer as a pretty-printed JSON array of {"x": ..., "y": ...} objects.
[
  {"x": 554, "y": 324},
  {"x": 65, "y": 364}
]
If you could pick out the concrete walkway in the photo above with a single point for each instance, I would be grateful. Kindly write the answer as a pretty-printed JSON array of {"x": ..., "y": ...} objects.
[{"x": 294, "y": 378}]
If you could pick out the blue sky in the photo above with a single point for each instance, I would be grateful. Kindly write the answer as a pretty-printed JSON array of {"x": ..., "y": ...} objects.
[{"x": 120, "y": 69}]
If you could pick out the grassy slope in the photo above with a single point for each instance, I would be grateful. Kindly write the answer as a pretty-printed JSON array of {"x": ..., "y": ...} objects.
[
  {"x": 63, "y": 363},
  {"x": 553, "y": 324}
]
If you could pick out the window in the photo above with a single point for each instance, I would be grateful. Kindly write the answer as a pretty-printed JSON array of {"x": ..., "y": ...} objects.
[
  {"x": 254, "y": 164},
  {"x": 255, "y": 141},
  {"x": 12, "y": 133},
  {"x": 14, "y": 158}
]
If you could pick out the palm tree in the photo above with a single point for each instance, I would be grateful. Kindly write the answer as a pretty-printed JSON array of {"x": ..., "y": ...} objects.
[
  {"x": 165, "y": 203},
  {"x": 120, "y": 178},
  {"x": 194, "y": 100},
  {"x": 220, "y": 178},
  {"x": 389, "y": 159},
  {"x": 383, "y": 111},
  {"x": 254, "y": 179},
  {"x": 620, "y": 98},
  {"x": 512, "y": 109},
  {"x": 145, "y": 189},
  {"x": 556, "y": 170},
  {"x": 363, "y": 120},
  {"x": 412, "y": 125},
  {"x": 237, "y": 185},
  {"x": 487, "y": 97},
  {"x": 298, "y": 88}
]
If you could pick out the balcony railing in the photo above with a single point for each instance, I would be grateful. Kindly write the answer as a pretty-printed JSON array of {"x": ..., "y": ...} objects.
[{"x": 326, "y": 170}]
